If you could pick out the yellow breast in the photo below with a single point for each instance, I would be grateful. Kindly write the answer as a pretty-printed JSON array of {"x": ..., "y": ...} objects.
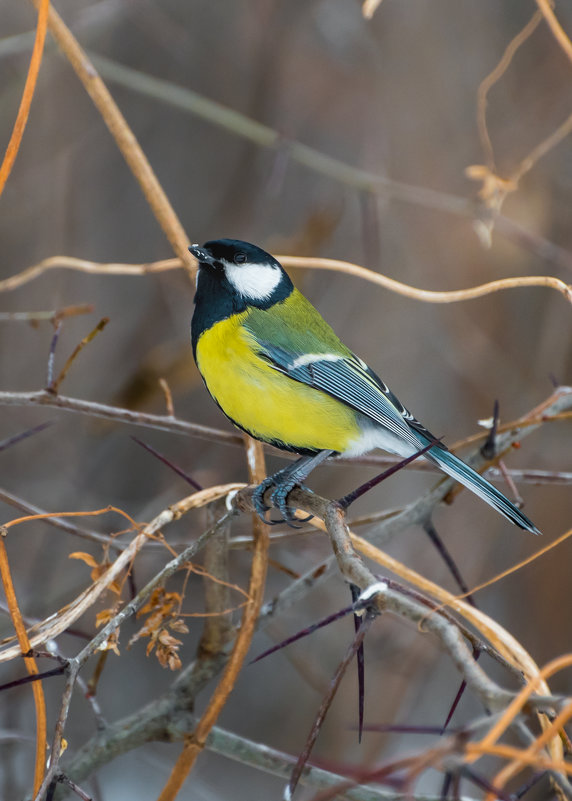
[{"x": 264, "y": 402}]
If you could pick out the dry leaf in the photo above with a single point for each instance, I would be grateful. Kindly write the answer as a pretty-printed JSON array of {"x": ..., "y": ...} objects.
[{"x": 85, "y": 557}]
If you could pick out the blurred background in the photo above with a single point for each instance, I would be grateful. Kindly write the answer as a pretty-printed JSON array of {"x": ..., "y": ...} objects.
[{"x": 395, "y": 97}]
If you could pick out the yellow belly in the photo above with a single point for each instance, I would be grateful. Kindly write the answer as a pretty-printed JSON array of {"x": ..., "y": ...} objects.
[{"x": 266, "y": 403}]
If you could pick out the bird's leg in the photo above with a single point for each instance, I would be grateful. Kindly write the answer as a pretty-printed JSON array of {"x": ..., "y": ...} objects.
[{"x": 284, "y": 481}]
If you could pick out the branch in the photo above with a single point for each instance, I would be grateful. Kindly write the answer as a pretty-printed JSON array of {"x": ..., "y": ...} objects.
[
  {"x": 169, "y": 718},
  {"x": 426, "y": 295},
  {"x": 30, "y": 662},
  {"x": 156, "y": 421},
  {"x": 28, "y": 94},
  {"x": 56, "y": 624}
]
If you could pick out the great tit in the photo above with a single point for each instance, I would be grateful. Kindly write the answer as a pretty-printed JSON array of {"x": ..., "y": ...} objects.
[{"x": 279, "y": 372}]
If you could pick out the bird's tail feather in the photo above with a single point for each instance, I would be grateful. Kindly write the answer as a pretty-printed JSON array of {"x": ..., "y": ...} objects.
[{"x": 472, "y": 480}]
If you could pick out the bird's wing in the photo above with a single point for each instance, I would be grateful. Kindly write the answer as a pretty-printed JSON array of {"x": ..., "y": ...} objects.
[{"x": 351, "y": 381}]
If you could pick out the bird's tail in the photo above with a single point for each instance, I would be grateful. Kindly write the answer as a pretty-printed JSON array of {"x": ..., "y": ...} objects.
[{"x": 472, "y": 480}]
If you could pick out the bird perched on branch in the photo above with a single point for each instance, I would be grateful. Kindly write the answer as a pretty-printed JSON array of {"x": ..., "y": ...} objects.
[{"x": 280, "y": 373}]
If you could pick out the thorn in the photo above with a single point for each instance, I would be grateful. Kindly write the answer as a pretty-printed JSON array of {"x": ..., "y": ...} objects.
[
  {"x": 51, "y": 358},
  {"x": 6, "y": 443},
  {"x": 164, "y": 459},
  {"x": 348, "y": 499}
]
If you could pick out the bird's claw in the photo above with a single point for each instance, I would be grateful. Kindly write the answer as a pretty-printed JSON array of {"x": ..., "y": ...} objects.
[
  {"x": 260, "y": 505},
  {"x": 278, "y": 497}
]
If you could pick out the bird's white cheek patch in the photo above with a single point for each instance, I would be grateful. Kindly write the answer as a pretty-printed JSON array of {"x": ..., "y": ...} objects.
[{"x": 253, "y": 281}]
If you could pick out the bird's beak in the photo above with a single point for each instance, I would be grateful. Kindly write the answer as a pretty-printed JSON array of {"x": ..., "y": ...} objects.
[{"x": 201, "y": 254}]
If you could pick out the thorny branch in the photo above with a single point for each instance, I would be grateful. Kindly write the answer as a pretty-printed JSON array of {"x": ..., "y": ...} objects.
[
  {"x": 179, "y": 426},
  {"x": 168, "y": 718},
  {"x": 351, "y": 566}
]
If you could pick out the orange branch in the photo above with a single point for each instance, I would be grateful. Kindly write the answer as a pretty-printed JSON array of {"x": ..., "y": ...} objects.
[
  {"x": 93, "y": 513},
  {"x": 509, "y": 751},
  {"x": 28, "y": 94},
  {"x": 530, "y": 755},
  {"x": 196, "y": 741},
  {"x": 509, "y": 570},
  {"x": 516, "y": 705},
  {"x": 30, "y": 663}
]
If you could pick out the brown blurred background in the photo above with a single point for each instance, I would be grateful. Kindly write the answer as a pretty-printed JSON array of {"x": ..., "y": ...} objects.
[{"x": 395, "y": 96}]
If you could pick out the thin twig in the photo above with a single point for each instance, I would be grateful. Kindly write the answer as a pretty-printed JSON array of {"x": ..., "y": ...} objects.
[
  {"x": 63, "y": 779},
  {"x": 52, "y": 356},
  {"x": 64, "y": 525},
  {"x": 54, "y": 386},
  {"x": 50, "y": 316},
  {"x": 85, "y": 266},
  {"x": 492, "y": 78},
  {"x": 426, "y": 295},
  {"x": 542, "y": 149},
  {"x": 156, "y": 421}
]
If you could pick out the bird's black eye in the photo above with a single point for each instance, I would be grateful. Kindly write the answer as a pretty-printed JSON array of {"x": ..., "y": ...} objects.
[{"x": 240, "y": 258}]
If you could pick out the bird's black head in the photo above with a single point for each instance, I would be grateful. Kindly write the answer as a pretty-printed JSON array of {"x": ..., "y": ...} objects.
[
  {"x": 232, "y": 276},
  {"x": 246, "y": 271}
]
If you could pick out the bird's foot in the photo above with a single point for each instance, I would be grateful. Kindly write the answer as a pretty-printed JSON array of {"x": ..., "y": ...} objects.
[
  {"x": 283, "y": 486},
  {"x": 260, "y": 505}
]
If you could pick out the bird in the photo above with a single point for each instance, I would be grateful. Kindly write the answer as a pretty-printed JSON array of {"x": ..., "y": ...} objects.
[{"x": 278, "y": 371}]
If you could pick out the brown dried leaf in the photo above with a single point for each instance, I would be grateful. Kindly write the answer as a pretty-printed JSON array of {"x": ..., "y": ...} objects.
[
  {"x": 161, "y": 609},
  {"x": 98, "y": 568},
  {"x": 180, "y": 626},
  {"x": 103, "y": 617}
]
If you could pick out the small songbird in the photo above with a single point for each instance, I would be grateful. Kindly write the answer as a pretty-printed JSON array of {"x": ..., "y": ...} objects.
[{"x": 279, "y": 372}]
